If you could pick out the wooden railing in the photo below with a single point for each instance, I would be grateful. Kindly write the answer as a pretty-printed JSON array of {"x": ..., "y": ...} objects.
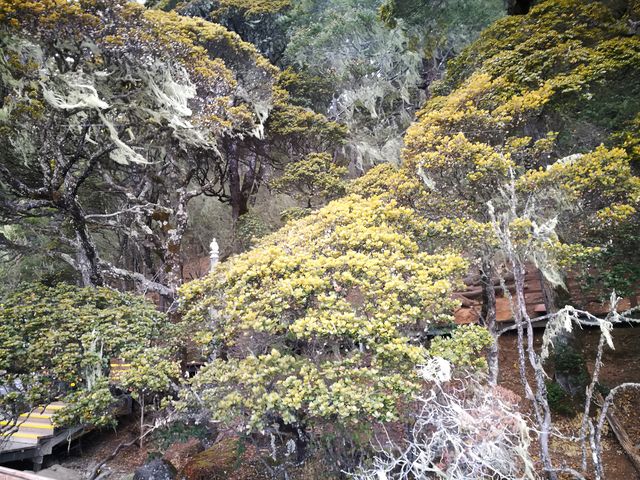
[{"x": 10, "y": 474}]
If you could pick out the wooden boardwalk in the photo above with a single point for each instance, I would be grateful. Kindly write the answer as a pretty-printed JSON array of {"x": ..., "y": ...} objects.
[
  {"x": 33, "y": 435},
  {"x": 31, "y": 427},
  {"x": 11, "y": 474}
]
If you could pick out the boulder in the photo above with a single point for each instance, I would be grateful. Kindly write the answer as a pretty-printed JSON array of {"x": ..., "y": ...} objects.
[
  {"x": 59, "y": 472},
  {"x": 179, "y": 453},
  {"x": 156, "y": 469},
  {"x": 228, "y": 459}
]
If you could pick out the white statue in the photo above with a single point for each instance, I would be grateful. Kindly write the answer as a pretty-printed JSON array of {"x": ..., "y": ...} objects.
[{"x": 214, "y": 254}]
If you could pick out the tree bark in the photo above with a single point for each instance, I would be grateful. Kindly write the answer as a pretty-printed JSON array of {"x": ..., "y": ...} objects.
[
  {"x": 141, "y": 419},
  {"x": 488, "y": 318},
  {"x": 621, "y": 435},
  {"x": 570, "y": 369},
  {"x": 539, "y": 397},
  {"x": 173, "y": 250},
  {"x": 87, "y": 256},
  {"x": 239, "y": 202}
]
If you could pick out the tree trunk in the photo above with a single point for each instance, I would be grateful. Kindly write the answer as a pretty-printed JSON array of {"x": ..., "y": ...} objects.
[
  {"x": 539, "y": 397},
  {"x": 141, "y": 419},
  {"x": 239, "y": 201},
  {"x": 173, "y": 249},
  {"x": 621, "y": 435},
  {"x": 488, "y": 318},
  {"x": 570, "y": 369},
  {"x": 88, "y": 262}
]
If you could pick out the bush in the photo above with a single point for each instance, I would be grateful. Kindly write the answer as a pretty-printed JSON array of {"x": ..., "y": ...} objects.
[
  {"x": 321, "y": 323},
  {"x": 56, "y": 342}
]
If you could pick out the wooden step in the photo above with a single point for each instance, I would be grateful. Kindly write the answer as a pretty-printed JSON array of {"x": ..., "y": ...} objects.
[
  {"x": 9, "y": 474},
  {"x": 116, "y": 368},
  {"x": 540, "y": 308},
  {"x": 41, "y": 432},
  {"x": 30, "y": 438},
  {"x": 41, "y": 424},
  {"x": 31, "y": 419}
]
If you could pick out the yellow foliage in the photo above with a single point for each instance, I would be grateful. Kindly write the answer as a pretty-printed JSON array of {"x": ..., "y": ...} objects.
[
  {"x": 319, "y": 321},
  {"x": 256, "y": 7}
]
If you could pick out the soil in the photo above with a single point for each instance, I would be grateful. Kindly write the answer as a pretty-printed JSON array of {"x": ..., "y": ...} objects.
[
  {"x": 619, "y": 366},
  {"x": 98, "y": 445}
]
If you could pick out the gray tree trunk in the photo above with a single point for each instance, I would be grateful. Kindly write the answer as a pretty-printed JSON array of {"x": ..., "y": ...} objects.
[
  {"x": 489, "y": 320},
  {"x": 569, "y": 365}
]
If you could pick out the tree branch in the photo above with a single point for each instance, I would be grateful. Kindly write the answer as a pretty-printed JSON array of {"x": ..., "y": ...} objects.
[{"x": 144, "y": 283}]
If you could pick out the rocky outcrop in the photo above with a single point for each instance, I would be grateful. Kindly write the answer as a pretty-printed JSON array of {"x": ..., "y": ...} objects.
[
  {"x": 156, "y": 469},
  {"x": 179, "y": 453},
  {"x": 229, "y": 459}
]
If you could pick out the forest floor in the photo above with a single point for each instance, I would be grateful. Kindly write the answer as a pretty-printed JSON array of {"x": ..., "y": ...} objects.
[{"x": 620, "y": 365}]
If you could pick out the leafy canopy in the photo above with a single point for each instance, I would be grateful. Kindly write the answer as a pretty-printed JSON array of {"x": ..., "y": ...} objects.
[
  {"x": 56, "y": 343},
  {"x": 323, "y": 320}
]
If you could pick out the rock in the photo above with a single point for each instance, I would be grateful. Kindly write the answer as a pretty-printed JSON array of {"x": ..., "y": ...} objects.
[
  {"x": 226, "y": 460},
  {"x": 156, "y": 469},
  {"x": 464, "y": 301},
  {"x": 464, "y": 316},
  {"x": 59, "y": 472},
  {"x": 179, "y": 453}
]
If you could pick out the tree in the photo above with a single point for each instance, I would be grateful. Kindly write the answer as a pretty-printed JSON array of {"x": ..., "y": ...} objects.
[
  {"x": 495, "y": 182},
  {"x": 56, "y": 343},
  {"x": 463, "y": 429},
  {"x": 466, "y": 145},
  {"x": 257, "y": 22},
  {"x": 106, "y": 142},
  {"x": 151, "y": 372},
  {"x": 294, "y": 135},
  {"x": 315, "y": 178},
  {"x": 366, "y": 72},
  {"x": 321, "y": 325}
]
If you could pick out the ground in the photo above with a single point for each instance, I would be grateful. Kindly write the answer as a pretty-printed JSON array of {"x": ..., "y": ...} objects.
[
  {"x": 620, "y": 365},
  {"x": 97, "y": 446}
]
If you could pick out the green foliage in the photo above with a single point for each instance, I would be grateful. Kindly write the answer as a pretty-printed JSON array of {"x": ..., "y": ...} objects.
[
  {"x": 88, "y": 406},
  {"x": 321, "y": 321},
  {"x": 16, "y": 268},
  {"x": 484, "y": 141},
  {"x": 617, "y": 265},
  {"x": 178, "y": 432},
  {"x": 341, "y": 59},
  {"x": 559, "y": 400},
  {"x": 464, "y": 347},
  {"x": 253, "y": 7},
  {"x": 251, "y": 228},
  {"x": 452, "y": 24},
  {"x": 100, "y": 98},
  {"x": 315, "y": 176},
  {"x": 56, "y": 343},
  {"x": 152, "y": 371},
  {"x": 377, "y": 67},
  {"x": 580, "y": 52},
  {"x": 306, "y": 89},
  {"x": 294, "y": 213}
]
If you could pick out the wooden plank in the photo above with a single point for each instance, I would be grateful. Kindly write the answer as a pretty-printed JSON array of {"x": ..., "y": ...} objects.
[
  {"x": 11, "y": 474},
  {"x": 621, "y": 434},
  {"x": 540, "y": 308},
  {"x": 42, "y": 416}
]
